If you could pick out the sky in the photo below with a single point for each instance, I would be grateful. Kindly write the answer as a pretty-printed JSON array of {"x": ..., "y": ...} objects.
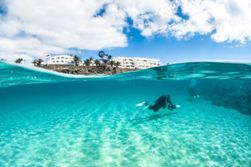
[{"x": 170, "y": 30}]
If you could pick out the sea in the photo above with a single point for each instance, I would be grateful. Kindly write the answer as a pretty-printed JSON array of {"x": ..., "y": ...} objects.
[{"x": 55, "y": 120}]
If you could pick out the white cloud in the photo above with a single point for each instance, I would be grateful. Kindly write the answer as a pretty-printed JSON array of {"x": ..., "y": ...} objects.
[
  {"x": 35, "y": 28},
  {"x": 225, "y": 20},
  {"x": 150, "y": 16},
  {"x": 234, "y": 22}
]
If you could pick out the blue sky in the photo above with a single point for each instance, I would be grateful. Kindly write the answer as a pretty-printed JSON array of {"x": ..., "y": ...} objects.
[
  {"x": 170, "y": 30},
  {"x": 173, "y": 50}
]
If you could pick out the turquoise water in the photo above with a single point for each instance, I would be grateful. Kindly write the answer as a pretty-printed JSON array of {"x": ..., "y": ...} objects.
[{"x": 52, "y": 120}]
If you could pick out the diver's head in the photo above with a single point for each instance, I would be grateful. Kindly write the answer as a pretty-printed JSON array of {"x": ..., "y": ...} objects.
[{"x": 193, "y": 83}]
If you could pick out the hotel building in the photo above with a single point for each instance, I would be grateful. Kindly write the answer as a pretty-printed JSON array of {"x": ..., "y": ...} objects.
[
  {"x": 59, "y": 59},
  {"x": 136, "y": 62}
]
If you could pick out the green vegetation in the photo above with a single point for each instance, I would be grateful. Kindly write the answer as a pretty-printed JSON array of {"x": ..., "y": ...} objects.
[
  {"x": 37, "y": 62},
  {"x": 112, "y": 63},
  {"x": 76, "y": 60},
  {"x": 97, "y": 63},
  {"x": 87, "y": 62},
  {"x": 117, "y": 64},
  {"x": 19, "y": 60},
  {"x": 103, "y": 65}
]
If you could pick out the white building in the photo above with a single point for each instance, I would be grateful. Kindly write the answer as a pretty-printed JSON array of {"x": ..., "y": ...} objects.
[
  {"x": 136, "y": 62},
  {"x": 59, "y": 59}
]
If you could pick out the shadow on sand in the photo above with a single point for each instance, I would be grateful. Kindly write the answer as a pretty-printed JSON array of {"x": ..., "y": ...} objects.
[{"x": 150, "y": 118}]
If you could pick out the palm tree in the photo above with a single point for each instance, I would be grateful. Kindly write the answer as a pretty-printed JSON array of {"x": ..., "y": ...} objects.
[
  {"x": 19, "y": 60},
  {"x": 105, "y": 58},
  {"x": 87, "y": 62},
  {"x": 91, "y": 61},
  {"x": 37, "y": 62},
  {"x": 112, "y": 63},
  {"x": 97, "y": 62},
  {"x": 34, "y": 62},
  {"x": 117, "y": 64},
  {"x": 76, "y": 60}
]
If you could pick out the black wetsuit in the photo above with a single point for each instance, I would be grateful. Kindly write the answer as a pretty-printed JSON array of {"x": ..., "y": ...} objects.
[{"x": 162, "y": 102}]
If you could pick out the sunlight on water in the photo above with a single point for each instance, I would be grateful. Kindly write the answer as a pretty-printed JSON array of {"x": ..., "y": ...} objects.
[{"x": 59, "y": 121}]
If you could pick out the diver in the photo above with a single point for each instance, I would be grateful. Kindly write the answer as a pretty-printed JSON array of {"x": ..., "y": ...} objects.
[
  {"x": 162, "y": 102},
  {"x": 192, "y": 89}
]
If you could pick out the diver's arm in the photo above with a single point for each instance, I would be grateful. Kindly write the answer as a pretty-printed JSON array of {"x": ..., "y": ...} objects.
[{"x": 170, "y": 105}]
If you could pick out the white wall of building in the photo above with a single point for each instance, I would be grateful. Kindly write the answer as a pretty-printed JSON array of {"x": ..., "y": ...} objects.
[
  {"x": 59, "y": 59},
  {"x": 136, "y": 62}
]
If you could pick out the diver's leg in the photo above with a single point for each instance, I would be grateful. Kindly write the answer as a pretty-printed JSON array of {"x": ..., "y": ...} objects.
[
  {"x": 141, "y": 104},
  {"x": 144, "y": 105}
]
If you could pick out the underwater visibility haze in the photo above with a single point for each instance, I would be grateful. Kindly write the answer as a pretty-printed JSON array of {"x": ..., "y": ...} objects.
[{"x": 52, "y": 120}]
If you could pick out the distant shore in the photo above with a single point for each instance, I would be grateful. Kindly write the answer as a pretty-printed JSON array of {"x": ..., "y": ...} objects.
[{"x": 84, "y": 70}]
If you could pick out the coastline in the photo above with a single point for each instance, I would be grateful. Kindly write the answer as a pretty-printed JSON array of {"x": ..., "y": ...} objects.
[
  {"x": 43, "y": 70},
  {"x": 103, "y": 75},
  {"x": 84, "y": 70}
]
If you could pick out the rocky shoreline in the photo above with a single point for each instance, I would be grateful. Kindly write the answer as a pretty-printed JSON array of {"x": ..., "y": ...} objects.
[{"x": 84, "y": 70}]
